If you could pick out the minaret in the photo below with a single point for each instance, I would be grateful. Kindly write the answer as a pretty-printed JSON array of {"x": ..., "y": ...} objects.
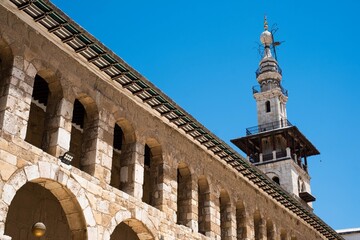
[
  {"x": 270, "y": 97},
  {"x": 275, "y": 146}
]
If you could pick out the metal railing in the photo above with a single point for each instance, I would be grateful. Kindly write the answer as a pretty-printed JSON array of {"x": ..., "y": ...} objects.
[
  {"x": 257, "y": 89},
  {"x": 268, "y": 127}
]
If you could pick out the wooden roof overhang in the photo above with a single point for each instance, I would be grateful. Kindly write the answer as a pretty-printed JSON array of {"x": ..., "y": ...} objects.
[
  {"x": 250, "y": 144},
  {"x": 84, "y": 44}
]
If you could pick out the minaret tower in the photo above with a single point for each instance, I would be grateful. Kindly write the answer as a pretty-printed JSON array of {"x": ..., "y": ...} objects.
[
  {"x": 270, "y": 97},
  {"x": 275, "y": 146}
]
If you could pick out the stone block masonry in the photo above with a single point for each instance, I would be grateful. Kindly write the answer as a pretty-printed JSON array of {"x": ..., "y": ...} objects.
[{"x": 150, "y": 181}]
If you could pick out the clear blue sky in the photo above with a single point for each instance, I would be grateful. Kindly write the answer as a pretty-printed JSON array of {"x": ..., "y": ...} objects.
[{"x": 203, "y": 54}]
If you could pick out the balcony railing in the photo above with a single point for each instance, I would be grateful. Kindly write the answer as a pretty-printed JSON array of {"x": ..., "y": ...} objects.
[
  {"x": 268, "y": 127},
  {"x": 257, "y": 89},
  {"x": 277, "y": 155}
]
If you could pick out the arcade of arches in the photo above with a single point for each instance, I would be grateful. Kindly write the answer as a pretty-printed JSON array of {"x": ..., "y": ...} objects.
[{"x": 133, "y": 175}]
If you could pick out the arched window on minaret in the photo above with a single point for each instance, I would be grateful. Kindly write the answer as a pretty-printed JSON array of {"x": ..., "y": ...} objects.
[
  {"x": 267, "y": 106},
  {"x": 276, "y": 179}
]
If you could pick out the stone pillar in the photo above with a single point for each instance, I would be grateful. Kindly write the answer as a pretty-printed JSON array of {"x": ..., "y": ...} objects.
[
  {"x": 162, "y": 186},
  {"x": 262, "y": 229},
  {"x": 244, "y": 225},
  {"x": 214, "y": 218},
  {"x": 192, "y": 215},
  {"x": 135, "y": 170},
  {"x": 16, "y": 100},
  {"x": 230, "y": 223},
  {"x": 90, "y": 160},
  {"x": 261, "y": 157},
  {"x": 59, "y": 129},
  {"x": 276, "y": 235},
  {"x": 288, "y": 152}
]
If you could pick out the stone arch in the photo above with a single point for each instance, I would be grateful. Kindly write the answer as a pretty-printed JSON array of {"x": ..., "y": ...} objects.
[
  {"x": 204, "y": 221},
  {"x": 267, "y": 106},
  {"x": 43, "y": 120},
  {"x": 274, "y": 176},
  {"x": 225, "y": 214},
  {"x": 84, "y": 133},
  {"x": 138, "y": 220},
  {"x": 65, "y": 189},
  {"x": 128, "y": 130},
  {"x": 123, "y": 157},
  {"x": 153, "y": 174},
  {"x": 184, "y": 195}
]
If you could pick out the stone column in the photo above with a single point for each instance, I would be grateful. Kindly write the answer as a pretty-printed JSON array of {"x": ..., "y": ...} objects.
[
  {"x": 262, "y": 229},
  {"x": 16, "y": 100},
  {"x": 192, "y": 215},
  {"x": 230, "y": 223},
  {"x": 161, "y": 195},
  {"x": 136, "y": 170},
  {"x": 59, "y": 129},
  {"x": 288, "y": 152},
  {"x": 245, "y": 225},
  {"x": 214, "y": 218}
]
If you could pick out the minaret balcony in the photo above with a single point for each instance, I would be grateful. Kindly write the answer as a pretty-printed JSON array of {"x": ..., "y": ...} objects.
[
  {"x": 268, "y": 127},
  {"x": 258, "y": 89},
  {"x": 268, "y": 68}
]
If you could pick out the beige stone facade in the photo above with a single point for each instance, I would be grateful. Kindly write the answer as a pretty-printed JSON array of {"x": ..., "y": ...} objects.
[{"x": 136, "y": 174}]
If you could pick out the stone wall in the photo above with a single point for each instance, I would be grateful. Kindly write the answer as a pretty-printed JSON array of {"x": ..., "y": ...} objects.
[{"x": 215, "y": 201}]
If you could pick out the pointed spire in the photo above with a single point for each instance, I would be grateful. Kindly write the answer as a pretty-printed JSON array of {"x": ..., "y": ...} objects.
[
  {"x": 266, "y": 39},
  {"x": 265, "y": 23},
  {"x": 268, "y": 67}
]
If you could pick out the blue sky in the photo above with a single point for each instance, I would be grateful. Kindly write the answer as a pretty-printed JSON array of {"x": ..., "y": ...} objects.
[{"x": 203, "y": 54}]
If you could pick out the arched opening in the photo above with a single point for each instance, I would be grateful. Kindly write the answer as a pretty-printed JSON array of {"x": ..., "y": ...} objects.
[
  {"x": 203, "y": 206},
  {"x": 124, "y": 232},
  {"x": 270, "y": 233},
  {"x": 267, "y": 106},
  {"x": 276, "y": 180},
  {"x": 241, "y": 221},
  {"x": 153, "y": 174},
  {"x": 84, "y": 134},
  {"x": 283, "y": 235},
  {"x": 33, "y": 203},
  {"x": 43, "y": 121},
  {"x": 131, "y": 229},
  {"x": 258, "y": 226},
  {"x": 122, "y": 167},
  {"x": 77, "y": 133},
  {"x": 117, "y": 163},
  {"x": 225, "y": 215},
  {"x": 35, "y": 133},
  {"x": 184, "y": 196}
]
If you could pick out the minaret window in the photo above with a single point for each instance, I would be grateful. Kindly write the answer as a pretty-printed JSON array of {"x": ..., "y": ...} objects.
[
  {"x": 276, "y": 179},
  {"x": 267, "y": 106}
]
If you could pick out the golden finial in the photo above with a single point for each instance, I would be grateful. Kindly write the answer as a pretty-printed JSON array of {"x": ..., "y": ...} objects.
[{"x": 265, "y": 23}]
